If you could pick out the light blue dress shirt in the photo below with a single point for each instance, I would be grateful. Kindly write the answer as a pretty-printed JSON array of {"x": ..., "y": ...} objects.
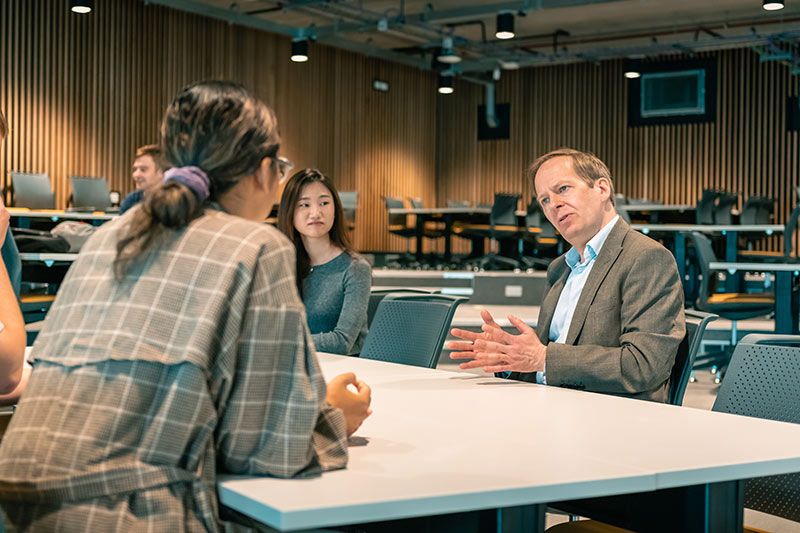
[{"x": 562, "y": 316}]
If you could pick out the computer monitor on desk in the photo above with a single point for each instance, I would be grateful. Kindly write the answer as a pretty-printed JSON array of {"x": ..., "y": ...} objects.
[
  {"x": 32, "y": 191},
  {"x": 90, "y": 193}
]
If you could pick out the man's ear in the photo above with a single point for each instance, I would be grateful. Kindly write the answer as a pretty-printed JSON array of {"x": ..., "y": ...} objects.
[{"x": 604, "y": 186}]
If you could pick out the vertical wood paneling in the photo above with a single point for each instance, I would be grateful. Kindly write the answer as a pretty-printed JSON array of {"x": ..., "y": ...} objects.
[
  {"x": 82, "y": 92},
  {"x": 747, "y": 150}
]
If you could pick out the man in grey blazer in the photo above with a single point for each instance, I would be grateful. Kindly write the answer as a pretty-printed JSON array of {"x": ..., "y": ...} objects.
[{"x": 612, "y": 316}]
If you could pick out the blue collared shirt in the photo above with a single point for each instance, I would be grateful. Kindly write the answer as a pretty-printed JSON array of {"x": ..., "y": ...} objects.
[{"x": 562, "y": 316}]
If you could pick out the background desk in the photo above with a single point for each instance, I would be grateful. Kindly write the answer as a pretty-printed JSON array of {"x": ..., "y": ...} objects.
[
  {"x": 786, "y": 315},
  {"x": 24, "y": 216},
  {"x": 443, "y": 442}
]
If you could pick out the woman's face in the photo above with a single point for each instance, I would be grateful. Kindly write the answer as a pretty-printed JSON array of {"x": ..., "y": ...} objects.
[{"x": 314, "y": 213}]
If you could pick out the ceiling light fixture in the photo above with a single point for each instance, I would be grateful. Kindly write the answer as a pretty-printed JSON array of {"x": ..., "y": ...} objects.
[
  {"x": 772, "y": 5},
  {"x": 445, "y": 84},
  {"x": 81, "y": 6},
  {"x": 505, "y": 25},
  {"x": 299, "y": 51},
  {"x": 446, "y": 55},
  {"x": 632, "y": 74}
]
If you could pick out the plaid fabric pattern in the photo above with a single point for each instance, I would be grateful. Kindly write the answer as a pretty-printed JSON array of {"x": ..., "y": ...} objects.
[{"x": 199, "y": 362}]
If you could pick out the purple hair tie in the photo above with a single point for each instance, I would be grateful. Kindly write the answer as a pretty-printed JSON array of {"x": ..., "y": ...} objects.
[{"x": 192, "y": 177}]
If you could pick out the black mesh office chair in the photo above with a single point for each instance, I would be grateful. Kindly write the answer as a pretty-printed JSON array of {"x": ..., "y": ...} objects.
[
  {"x": 349, "y": 201},
  {"x": 696, "y": 322},
  {"x": 731, "y": 305},
  {"x": 502, "y": 225},
  {"x": 789, "y": 253},
  {"x": 432, "y": 230},
  {"x": 540, "y": 238},
  {"x": 723, "y": 207},
  {"x": 410, "y": 329},
  {"x": 704, "y": 213},
  {"x": 377, "y": 295},
  {"x": 763, "y": 381},
  {"x": 398, "y": 225}
]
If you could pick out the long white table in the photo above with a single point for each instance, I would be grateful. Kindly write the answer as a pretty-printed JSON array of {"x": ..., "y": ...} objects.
[{"x": 442, "y": 442}]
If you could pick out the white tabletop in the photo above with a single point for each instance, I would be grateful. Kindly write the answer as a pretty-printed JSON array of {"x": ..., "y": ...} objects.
[
  {"x": 443, "y": 442},
  {"x": 755, "y": 267},
  {"x": 55, "y": 214},
  {"x": 655, "y": 207},
  {"x": 718, "y": 228},
  {"x": 35, "y": 256}
]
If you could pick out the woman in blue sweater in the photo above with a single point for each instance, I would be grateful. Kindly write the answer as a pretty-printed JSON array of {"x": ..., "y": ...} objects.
[{"x": 333, "y": 280}]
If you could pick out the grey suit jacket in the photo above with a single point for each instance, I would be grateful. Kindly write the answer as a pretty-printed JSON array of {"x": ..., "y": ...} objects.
[{"x": 627, "y": 325}]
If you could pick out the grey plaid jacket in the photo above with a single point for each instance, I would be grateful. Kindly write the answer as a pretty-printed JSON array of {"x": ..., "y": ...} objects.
[{"x": 198, "y": 362}]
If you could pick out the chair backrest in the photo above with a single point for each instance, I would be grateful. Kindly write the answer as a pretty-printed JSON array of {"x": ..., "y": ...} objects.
[
  {"x": 504, "y": 210},
  {"x": 349, "y": 201},
  {"x": 623, "y": 214},
  {"x": 395, "y": 203},
  {"x": 90, "y": 192},
  {"x": 705, "y": 256},
  {"x": 410, "y": 328},
  {"x": 723, "y": 207},
  {"x": 757, "y": 210},
  {"x": 376, "y": 296},
  {"x": 458, "y": 203},
  {"x": 788, "y": 233},
  {"x": 12, "y": 261},
  {"x": 535, "y": 218},
  {"x": 704, "y": 213},
  {"x": 416, "y": 203},
  {"x": 763, "y": 381},
  {"x": 32, "y": 191},
  {"x": 696, "y": 323}
]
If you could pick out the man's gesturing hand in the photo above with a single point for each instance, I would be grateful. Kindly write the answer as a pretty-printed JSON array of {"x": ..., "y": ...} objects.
[{"x": 494, "y": 350}]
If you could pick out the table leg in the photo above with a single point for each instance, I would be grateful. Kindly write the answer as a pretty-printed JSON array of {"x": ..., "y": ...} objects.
[
  {"x": 733, "y": 282},
  {"x": 420, "y": 233},
  {"x": 785, "y": 313},
  {"x": 708, "y": 508},
  {"x": 448, "y": 235}
]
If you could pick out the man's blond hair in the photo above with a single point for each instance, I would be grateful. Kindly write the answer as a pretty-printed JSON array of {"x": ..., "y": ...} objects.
[{"x": 587, "y": 166}]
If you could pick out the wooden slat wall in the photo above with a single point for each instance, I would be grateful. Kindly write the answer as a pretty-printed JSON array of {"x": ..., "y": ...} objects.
[
  {"x": 82, "y": 92},
  {"x": 747, "y": 150}
]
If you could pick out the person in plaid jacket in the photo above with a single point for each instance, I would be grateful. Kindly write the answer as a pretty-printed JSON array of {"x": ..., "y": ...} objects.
[{"x": 177, "y": 348}]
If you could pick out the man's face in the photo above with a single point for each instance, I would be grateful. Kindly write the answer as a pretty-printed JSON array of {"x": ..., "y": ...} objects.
[
  {"x": 145, "y": 172},
  {"x": 577, "y": 210}
]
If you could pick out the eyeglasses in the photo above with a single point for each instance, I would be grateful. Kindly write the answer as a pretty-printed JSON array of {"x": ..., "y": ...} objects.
[{"x": 284, "y": 167}]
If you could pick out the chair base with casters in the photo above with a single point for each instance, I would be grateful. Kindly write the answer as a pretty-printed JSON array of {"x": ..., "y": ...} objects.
[{"x": 410, "y": 329}]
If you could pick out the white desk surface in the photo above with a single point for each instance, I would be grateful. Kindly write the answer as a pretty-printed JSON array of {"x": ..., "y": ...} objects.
[
  {"x": 755, "y": 266},
  {"x": 766, "y": 228},
  {"x": 656, "y": 207},
  {"x": 443, "y": 442},
  {"x": 35, "y": 256},
  {"x": 56, "y": 214}
]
